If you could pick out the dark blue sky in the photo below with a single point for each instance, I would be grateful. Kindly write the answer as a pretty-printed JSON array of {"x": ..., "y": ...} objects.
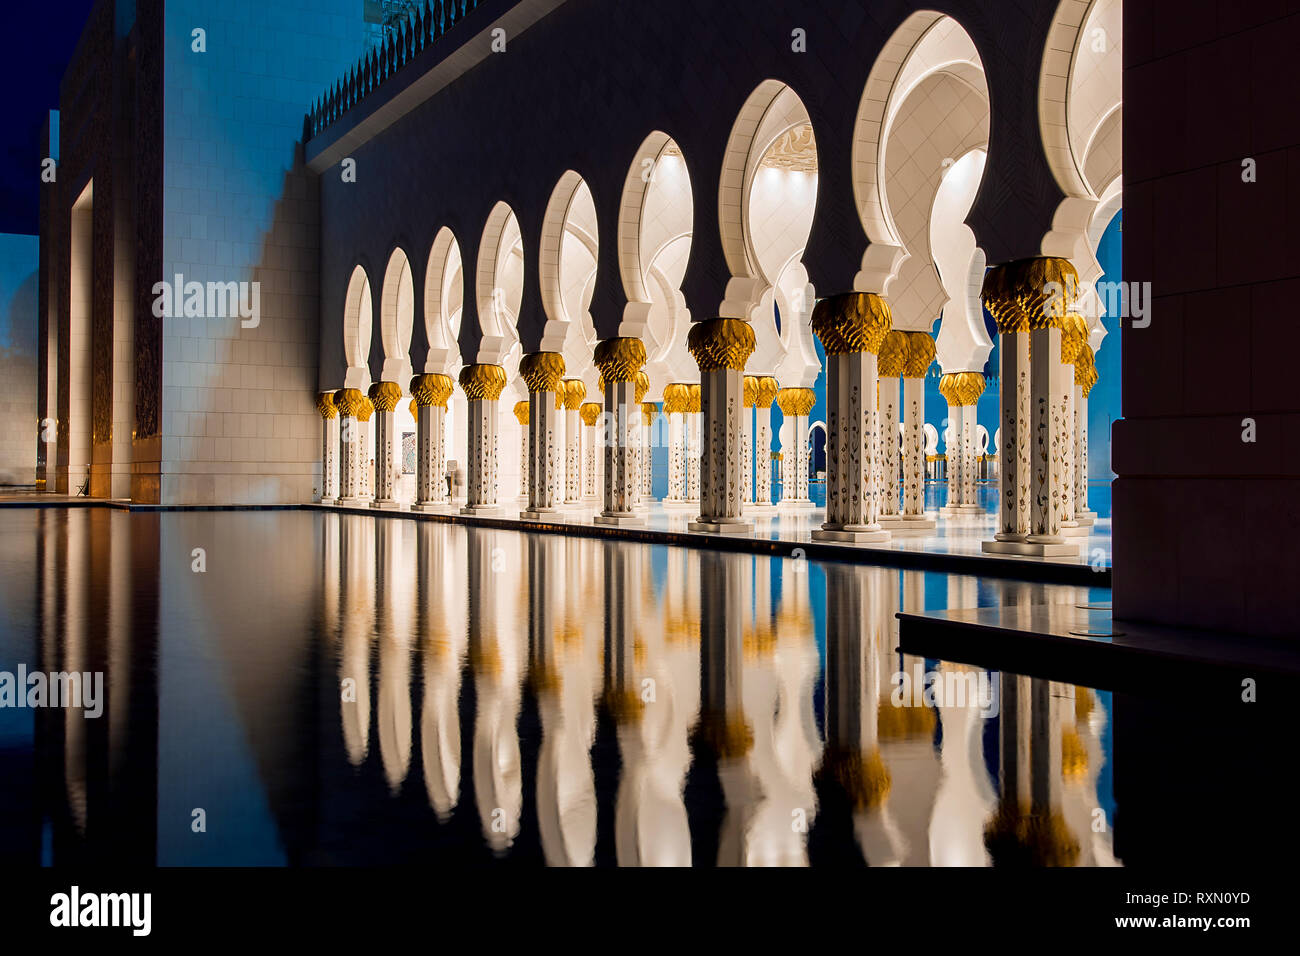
[{"x": 39, "y": 38}]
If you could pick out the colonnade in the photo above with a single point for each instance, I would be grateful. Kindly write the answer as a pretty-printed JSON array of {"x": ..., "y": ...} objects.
[{"x": 577, "y": 453}]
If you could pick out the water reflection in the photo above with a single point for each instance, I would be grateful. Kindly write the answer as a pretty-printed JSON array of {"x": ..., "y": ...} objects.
[{"x": 572, "y": 701}]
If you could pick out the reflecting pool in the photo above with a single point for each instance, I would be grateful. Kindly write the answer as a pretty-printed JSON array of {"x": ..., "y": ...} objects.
[{"x": 306, "y": 688}]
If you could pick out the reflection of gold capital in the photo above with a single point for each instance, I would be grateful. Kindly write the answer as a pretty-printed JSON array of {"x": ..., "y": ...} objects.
[
  {"x": 483, "y": 382},
  {"x": 961, "y": 388},
  {"x": 1019, "y": 836},
  {"x": 796, "y": 401},
  {"x": 590, "y": 411},
  {"x": 892, "y": 357},
  {"x": 521, "y": 412},
  {"x": 542, "y": 370},
  {"x": 325, "y": 405},
  {"x": 432, "y": 389},
  {"x": 721, "y": 343},
  {"x": 574, "y": 392},
  {"x": 767, "y": 389},
  {"x": 862, "y": 776},
  {"x": 1074, "y": 336},
  {"x": 348, "y": 401},
  {"x": 693, "y": 400},
  {"x": 903, "y": 721},
  {"x": 385, "y": 395},
  {"x": 1074, "y": 756},
  {"x": 1029, "y": 294},
  {"x": 619, "y": 359},
  {"x": 624, "y": 705},
  {"x": 728, "y": 735},
  {"x": 749, "y": 390},
  {"x": 920, "y": 353},
  {"x": 851, "y": 322},
  {"x": 676, "y": 398},
  {"x": 641, "y": 385}
]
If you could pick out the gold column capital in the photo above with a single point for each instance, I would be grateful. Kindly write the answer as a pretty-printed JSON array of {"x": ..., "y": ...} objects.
[
  {"x": 365, "y": 409},
  {"x": 649, "y": 412},
  {"x": 348, "y": 401},
  {"x": 590, "y": 412},
  {"x": 920, "y": 354},
  {"x": 721, "y": 343},
  {"x": 676, "y": 397},
  {"x": 542, "y": 371},
  {"x": 415, "y": 408},
  {"x": 694, "y": 402},
  {"x": 619, "y": 359},
  {"x": 1074, "y": 336},
  {"x": 325, "y": 405},
  {"x": 432, "y": 389},
  {"x": 640, "y": 385},
  {"x": 851, "y": 322},
  {"x": 767, "y": 389},
  {"x": 1085, "y": 369},
  {"x": 483, "y": 382},
  {"x": 895, "y": 349},
  {"x": 1029, "y": 294},
  {"x": 796, "y": 401},
  {"x": 961, "y": 388},
  {"x": 749, "y": 390},
  {"x": 385, "y": 395},
  {"x": 574, "y": 392},
  {"x": 521, "y": 412}
]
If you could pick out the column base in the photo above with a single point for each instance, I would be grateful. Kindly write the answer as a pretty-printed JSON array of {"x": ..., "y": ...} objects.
[
  {"x": 1075, "y": 531},
  {"x": 432, "y": 506},
  {"x": 357, "y": 502},
  {"x": 906, "y": 523},
  {"x": 484, "y": 510},
  {"x": 795, "y": 504},
  {"x": 670, "y": 505},
  {"x": 1085, "y": 517},
  {"x": 386, "y": 505},
  {"x": 760, "y": 510},
  {"x": 720, "y": 527},
  {"x": 1032, "y": 549},
  {"x": 852, "y": 535},
  {"x": 619, "y": 520},
  {"x": 328, "y": 501},
  {"x": 542, "y": 514}
]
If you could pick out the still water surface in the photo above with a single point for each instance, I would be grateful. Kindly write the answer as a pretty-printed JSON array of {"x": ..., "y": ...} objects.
[{"x": 319, "y": 688}]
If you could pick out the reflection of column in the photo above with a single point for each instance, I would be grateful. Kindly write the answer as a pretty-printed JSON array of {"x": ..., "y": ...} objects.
[
  {"x": 1085, "y": 377},
  {"x": 676, "y": 400},
  {"x": 357, "y": 596},
  {"x": 329, "y": 462},
  {"x": 431, "y": 393},
  {"x": 543, "y": 371},
  {"x": 723, "y": 727},
  {"x": 385, "y": 395},
  {"x": 590, "y": 412},
  {"x": 443, "y": 652},
  {"x": 619, "y": 361},
  {"x": 693, "y": 402},
  {"x": 767, "y": 390},
  {"x": 649, "y": 415},
  {"x": 750, "y": 393},
  {"x": 393, "y": 625},
  {"x": 920, "y": 355},
  {"x": 795, "y": 405},
  {"x": 851, "y": 328},
  {"x": 892, "y": 362},
  {"x": 523, "y": 415},
  {"x": 483, "y": 385},
  {"x": 720, "y": 348},
  {"x": 574, "y": 392},
  {"x": 352, "y": 405}
]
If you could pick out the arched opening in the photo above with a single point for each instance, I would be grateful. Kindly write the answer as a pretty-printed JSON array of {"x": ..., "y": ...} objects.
[
  {"x": 444, "y": 300},
  {"x": 499, "y": 293},
  {"x": 567, "y": 273},
  {"x": 396, "y": 321}
]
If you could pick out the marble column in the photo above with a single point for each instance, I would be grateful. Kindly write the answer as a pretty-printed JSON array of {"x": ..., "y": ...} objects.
[
  {"x": 920, "y": 355},
  {"x": 962, "y": 391},
  {"x": 543, "y": 372},
  {"x": 1013, "y": 399},
  {"x": 1085, "y": 377},
  {"x": 720, "y": 348},
  {"x": 750, "y": 392},
  {"x": 1074, "y": 338},
  {"x": 431, "y": 393},
  {"x": 522, "y": 412},
  {"x": 891, "y": 362},
  {"x": 574, "y": 392},
  {"x": 590, "y": 412},
  {"x": 649, "y": 414},
  {"x": 483, "y": 385},
  {"x": 767, "y": 390},
  {"x": 619, "y": 360},
  {"x": 851, "y": 328},
  {"x": 385, "y": 396},
  {"x": 329, "y": 461},
  {"x": 354, "y": 451},
  {"x": 641, "y": 385},
  {"x": 693, "y": 443},
  {"x": 796, "y": 405},
  {"x": 676, "y": 401}
]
